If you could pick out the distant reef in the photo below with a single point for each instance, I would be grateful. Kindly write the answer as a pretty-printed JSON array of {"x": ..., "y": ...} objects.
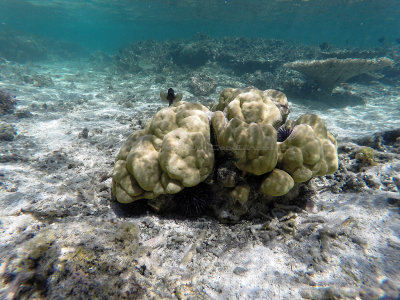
[
  {"x": 22, "y": 48},
  {"x": 263, "y": 63}
]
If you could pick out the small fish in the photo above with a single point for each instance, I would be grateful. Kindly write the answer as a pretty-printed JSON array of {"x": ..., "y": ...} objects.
[
  {"x": 397, "y": 40},
  {"x": 170, "y": 96},
  {"x": 382, "y": 40}
]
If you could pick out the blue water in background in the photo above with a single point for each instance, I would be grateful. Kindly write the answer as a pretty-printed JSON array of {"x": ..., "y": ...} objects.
[{"x": 109, "y": 25}]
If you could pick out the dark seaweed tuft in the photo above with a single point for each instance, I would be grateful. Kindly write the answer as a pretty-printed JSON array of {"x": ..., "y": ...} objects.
[{"x": 283, "y": 133}]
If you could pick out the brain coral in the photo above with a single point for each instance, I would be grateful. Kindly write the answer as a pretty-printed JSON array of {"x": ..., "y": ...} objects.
[
  {"x": 254, "y": 145},
  {"x": 244, "y": 124},
  {"x": 251, "y": 105},
  {"x": 310, "y": 150},
  {"x": 173, "y": 152}
]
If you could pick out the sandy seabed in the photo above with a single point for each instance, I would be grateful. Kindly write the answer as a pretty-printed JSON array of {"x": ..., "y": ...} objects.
[{"x": 61, "y": 237}]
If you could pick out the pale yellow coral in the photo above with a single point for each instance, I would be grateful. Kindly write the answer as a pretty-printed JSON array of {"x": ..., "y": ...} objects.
[
  {"x": 127, "y": 145},
  {"x": 244, "y": 123},
  {"x": 125, "y": 187},
  {"x": 225, "y": 97},
  {"x": 186, "y": 156},
  {"x": 142, "y": 164},
  {"x": 252, "y": 105},
  {"x": 329, "y": 144},
  {"x": 309, "y": 150},
  {"x": 277, "y": 183},
  {"x": 253, "y": 145},
  {"x": 173, "y": 152},
  {"x": 280, "y": 101}
]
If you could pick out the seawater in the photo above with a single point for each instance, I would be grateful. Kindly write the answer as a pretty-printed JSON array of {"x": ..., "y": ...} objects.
[{"x": 108, "y": 25}]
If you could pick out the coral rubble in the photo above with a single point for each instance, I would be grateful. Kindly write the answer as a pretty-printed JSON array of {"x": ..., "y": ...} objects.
[
  {"x": 263, "y": 63},
  {"x": 7, "y": 103}
]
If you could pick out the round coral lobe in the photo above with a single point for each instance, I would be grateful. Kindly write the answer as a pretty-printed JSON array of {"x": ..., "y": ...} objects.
[{"x": 283, "y": 133}]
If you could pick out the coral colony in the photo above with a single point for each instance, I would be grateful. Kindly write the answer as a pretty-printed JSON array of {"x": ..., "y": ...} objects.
[{"x": 174, "y": 151}]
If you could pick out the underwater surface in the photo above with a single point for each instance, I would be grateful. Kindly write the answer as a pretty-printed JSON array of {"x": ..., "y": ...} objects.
[
  {"x": 215, "y": 149},
  {"x": 108, "y": 25}
]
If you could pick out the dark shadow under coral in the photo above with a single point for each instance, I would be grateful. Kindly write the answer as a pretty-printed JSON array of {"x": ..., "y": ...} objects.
[{"x": 126, "y": 210}]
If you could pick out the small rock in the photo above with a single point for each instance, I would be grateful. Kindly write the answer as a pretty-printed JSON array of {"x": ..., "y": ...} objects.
[
  {"x": 261, "y": 80},
  {"x": 227, "y": 176},
  {"x": 202, "y": 85},
  {"x": 372, "y": 181},
  {"x": 41, "y": 80},
  {"x": 393, "y": 201},
  {"x": 178, "y": 239},
  {"x": 7, "y": 103},
  {"x": 396, "y": 180},
  {"x": 372, "y": 293},
  {"x": 7, "y": 132},
  {"x": 23, "y": 113},
  {"x": 239, "y": 270},
  {"x": 200, "y": 249},
  {"x": 84, "y": 134},
  {"x": 390, "y": 288},
  {"x": 394, "y": 244}
]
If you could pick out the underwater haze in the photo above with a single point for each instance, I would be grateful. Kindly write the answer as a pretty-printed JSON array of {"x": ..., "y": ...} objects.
[
  {"x": 187, "y": 149},
  {"x": 108, "y": 25}
]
